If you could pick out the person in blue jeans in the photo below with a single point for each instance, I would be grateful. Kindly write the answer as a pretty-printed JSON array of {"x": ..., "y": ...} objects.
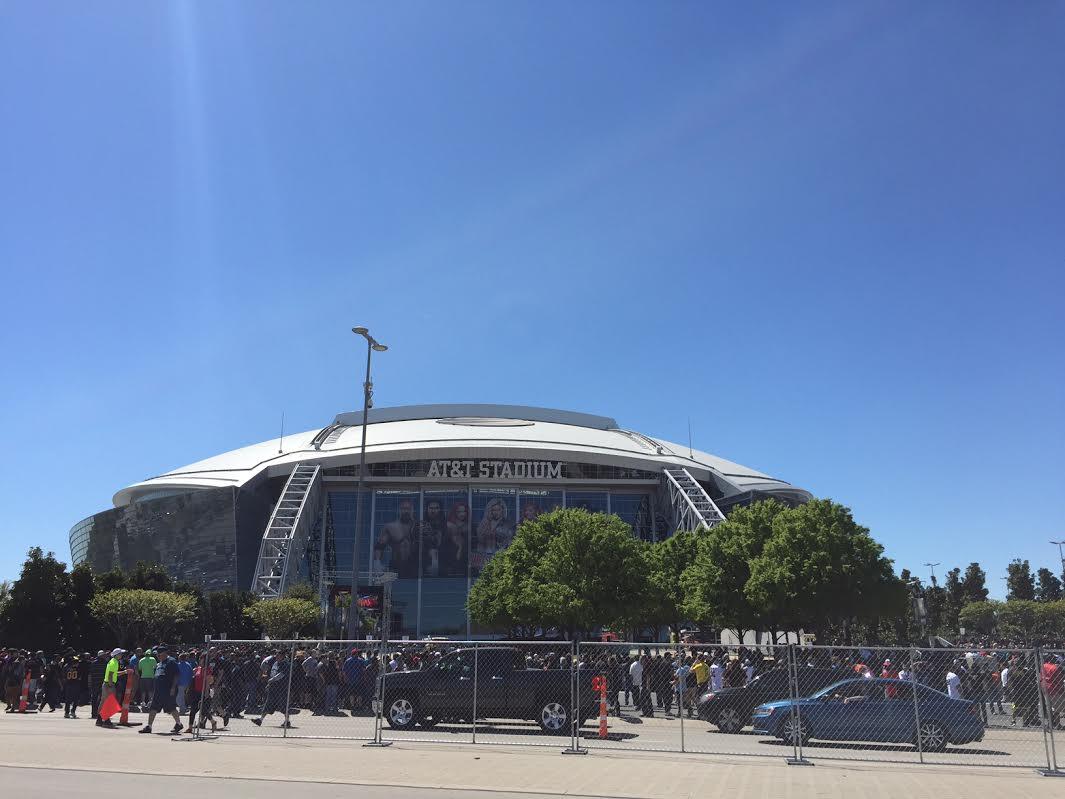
[
  {"x": 186, "y": 670},
  {"x": 353, "y": 671}
]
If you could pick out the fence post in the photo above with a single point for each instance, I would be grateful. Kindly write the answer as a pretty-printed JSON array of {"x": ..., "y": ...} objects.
[
  {"x": 574, "y": 700},
  {"x": 379, "y": 693},
  {"x": 797, "y": 758},
  {"x": 679, "y": 691},
  {"x": 1046, "y": 719},
  {"x": 475, "y": 689},
  {"x": 288, "y": 695},
  {"x": 916, "y": 706}
]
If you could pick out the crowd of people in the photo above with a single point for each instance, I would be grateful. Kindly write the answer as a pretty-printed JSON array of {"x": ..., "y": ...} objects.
[
  {"x": 210, "y": 686},
  {"x": 213, "y": 685}
]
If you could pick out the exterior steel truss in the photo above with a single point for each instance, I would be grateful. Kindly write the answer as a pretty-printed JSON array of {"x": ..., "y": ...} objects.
[
  {"x": 692, "y": 507},
  {"x": 287, "y": 532}
]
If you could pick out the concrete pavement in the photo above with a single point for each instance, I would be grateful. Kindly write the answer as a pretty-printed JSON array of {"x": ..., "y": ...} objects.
[{"x": 42, "y": 744}]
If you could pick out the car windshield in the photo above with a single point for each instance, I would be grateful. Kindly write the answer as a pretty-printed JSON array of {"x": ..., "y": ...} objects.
[{"x": 831, "y": 689}]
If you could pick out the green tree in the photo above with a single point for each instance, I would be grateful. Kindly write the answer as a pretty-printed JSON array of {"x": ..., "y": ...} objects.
[
  {"x": 715, "y": 581},
  {"x": 1017, "y": 619},
  {"x": 570, "y": 569},
  {"x": 1050, "y": 620},
  {"x": 226, "y": 615},
  {"x": 149, "y": 577},
  {"x": 978, "y": 617},
  {"x": 34, "y": 614},
  {"x": 1048, "y": 588},
  {"x": 83, "y": 631},
  {"x": 973, "y": 584},
  {"x": 1020, "y": 584},
  {"x": 954, "y": 598},
  {"x": 138, "y": 616},
  {"x": 301, "y": 591},
  {"x": 284, "y": 618},
  {"x": 110, "y": 580},
  {"x": 666, "y": 562},
  {"x": 820, "y": 568}
]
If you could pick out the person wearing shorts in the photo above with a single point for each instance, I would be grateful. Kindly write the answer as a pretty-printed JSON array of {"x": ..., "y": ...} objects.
[{"x": 165, "y": 696}]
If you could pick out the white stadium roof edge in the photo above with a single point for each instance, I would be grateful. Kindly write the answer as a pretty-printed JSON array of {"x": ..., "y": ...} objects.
[{"x": 417, "y": 432}]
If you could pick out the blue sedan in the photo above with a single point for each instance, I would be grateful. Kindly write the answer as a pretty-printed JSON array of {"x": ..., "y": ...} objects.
[{"x": 873, "y": 710}]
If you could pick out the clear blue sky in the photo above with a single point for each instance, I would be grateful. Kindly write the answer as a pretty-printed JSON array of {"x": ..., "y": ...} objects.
[{"x": 833, "y": 234}]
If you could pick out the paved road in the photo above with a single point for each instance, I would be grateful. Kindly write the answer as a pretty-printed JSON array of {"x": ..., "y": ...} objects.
[
  {"x": 1002, "y": 745},
  {"x": 107, "y": 785}
]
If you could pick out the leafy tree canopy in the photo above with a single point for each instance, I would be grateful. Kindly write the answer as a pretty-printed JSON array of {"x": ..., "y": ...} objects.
[
  {"x": 284, "y": 618},
  {"x": 138, "y": 616}
]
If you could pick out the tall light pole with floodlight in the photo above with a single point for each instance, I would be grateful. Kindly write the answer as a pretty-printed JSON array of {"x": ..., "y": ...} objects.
[
  {"x": 372, "y": 345},
  {"x": 932, "y": 566},
  {"x": 1061, "y": 556}
]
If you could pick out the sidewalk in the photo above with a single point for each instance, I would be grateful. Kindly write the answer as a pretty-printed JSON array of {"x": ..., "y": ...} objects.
[{"x": 45, "y": 741}]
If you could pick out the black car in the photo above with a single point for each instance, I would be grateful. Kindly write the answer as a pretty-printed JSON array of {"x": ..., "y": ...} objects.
[
  {"x": 731, "y": 708},
  {"x": 505, "y": 689}
]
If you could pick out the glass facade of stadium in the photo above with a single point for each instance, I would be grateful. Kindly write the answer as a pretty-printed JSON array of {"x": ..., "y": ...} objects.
[{"x": 435, "y": 533}]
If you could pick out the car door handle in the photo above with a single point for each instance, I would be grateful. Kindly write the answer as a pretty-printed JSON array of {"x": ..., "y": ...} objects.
[
  {"x": 497, "y": 678},
  {"x": 465, "y": 679}
]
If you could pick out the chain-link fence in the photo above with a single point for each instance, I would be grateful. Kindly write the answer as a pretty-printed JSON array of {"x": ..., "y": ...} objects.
[{"x": 918, "y": 705}]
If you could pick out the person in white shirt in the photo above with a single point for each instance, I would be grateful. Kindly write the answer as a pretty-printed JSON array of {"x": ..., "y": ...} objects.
[
  {"x": 636, "y": 674},
  {"x": 748, "y": 669},
  {"x": 953, "y": 683},
  {"x": 904, "y": 674},
  {"x": 717, "y": 676}
]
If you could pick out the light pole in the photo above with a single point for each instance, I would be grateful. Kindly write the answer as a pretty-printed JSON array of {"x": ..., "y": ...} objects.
[
  {"x": 1061, "y": 556},
  {"x": 932, "y": 566},
  {"x": 367, "y": 400}
]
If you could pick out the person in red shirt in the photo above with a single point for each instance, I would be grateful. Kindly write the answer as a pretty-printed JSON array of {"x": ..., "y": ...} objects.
[
  {"x": 1051, "y": 681},
  {"x": 891, "y": 673}
]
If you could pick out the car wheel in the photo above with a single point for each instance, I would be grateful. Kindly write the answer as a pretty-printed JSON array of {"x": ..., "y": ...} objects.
[
  {"x": 728, "y": 720},
  {"x": 553, "y": 718},
  {"x": 931, "y": 736},
  {"x": 795, "y": 730},
  {"x": 400, "y": 714}
]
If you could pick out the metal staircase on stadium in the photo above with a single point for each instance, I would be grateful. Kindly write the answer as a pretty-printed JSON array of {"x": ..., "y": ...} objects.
[
  {"x": 287, "y": 532},
  {"x": 692, "y": 507}
]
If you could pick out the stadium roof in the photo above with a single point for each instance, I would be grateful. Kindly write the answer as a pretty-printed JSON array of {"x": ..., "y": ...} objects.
[{"x": 415, "y": 432}]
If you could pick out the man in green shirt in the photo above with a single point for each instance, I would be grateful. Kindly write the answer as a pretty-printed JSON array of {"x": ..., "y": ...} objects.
[
  {"x": 110, "y": 678},
  {"x": 146, "y": 670}
]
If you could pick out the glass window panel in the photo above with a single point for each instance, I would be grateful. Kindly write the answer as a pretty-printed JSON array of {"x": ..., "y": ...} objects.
[
  {"x": 534, "y": 501},
  {"x": 342, "y": 516},
  {"x": 593, "y": 501},
  {"x": 395, "y": 532},
  {"x": 445, "y": 537},
  {"x": 493, "y": 517},
  {"x": 635, "y": 511}
]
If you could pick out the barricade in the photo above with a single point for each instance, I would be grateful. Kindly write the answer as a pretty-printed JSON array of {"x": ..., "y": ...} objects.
[{"x": 798, "y": 703}]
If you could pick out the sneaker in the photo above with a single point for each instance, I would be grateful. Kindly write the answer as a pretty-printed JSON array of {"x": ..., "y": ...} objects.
[
  {"x": 257, "y": 722},
  {"x": 177, "y": 729},
  {"x": 286, "y": 725},
  {"x": 146, "y": 730},
  {"x": 73, "y": 715}
]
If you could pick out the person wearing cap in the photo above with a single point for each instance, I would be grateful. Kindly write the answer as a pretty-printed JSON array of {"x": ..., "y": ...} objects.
[
  {"x": 73, "y": 677},
  {"x": 110, "y": 682},
  {"x": 164, "y": 696}
]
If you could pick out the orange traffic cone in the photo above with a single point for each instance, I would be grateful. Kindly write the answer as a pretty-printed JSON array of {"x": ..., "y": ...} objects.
[
  {"x": 124, "y": 720},
  {"x": 24, "y": 700}
]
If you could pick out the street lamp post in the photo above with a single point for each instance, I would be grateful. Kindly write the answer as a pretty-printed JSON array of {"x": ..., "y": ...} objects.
[
  {"x": 1061, "y": 556},
  {"x": 367, "y": 400},
  {"x": 932, "y": 566}
]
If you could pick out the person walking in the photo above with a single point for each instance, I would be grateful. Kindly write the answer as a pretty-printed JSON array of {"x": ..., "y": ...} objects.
[
  {"x": 164, "y": 694},
  {"x": 110, "y": 684},
  {"x": 276, "y": 689},
  {"x": 186, "y": 672},
  {"x": 73, "y": 677},
  {"x": 96, "y": 682},
  {"x": 145, "y": 668}
]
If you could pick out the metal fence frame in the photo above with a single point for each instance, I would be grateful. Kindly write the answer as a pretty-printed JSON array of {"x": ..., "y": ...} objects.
[{"x": 584, "y": 657}]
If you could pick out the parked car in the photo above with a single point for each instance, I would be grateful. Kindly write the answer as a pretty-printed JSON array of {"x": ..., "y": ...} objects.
[
  {"x": 873, "y": 710},
  {"x": 506, "y": 689},
  {"x": 730, "y": 708}
]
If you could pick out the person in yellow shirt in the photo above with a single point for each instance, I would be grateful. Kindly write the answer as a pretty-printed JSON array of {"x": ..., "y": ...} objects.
[
  {"x": 110, "y": 679},
  {"x": 702, "y": 674}
]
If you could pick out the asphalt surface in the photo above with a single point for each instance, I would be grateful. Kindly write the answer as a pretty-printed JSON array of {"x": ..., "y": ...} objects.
[{"x": 32, "y": 782}]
